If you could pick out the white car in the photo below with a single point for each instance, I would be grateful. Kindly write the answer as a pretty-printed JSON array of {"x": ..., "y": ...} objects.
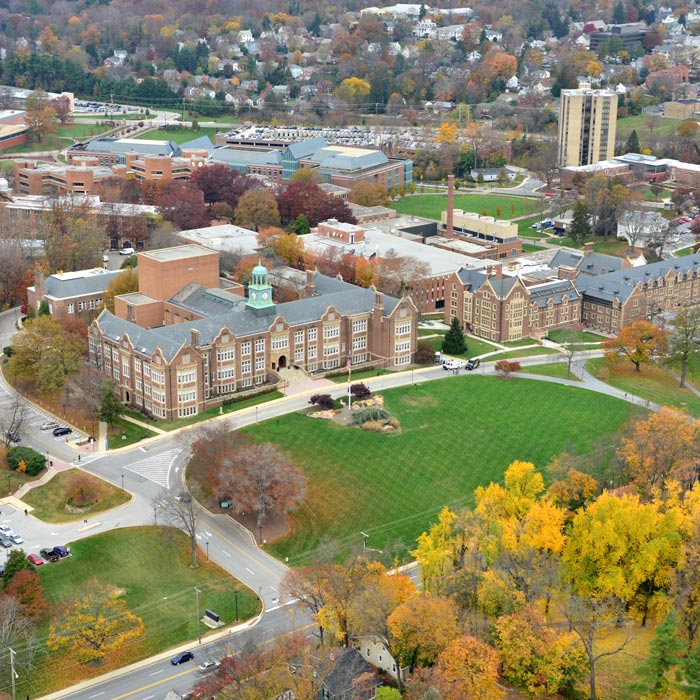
[
  {"x": 453, "y": 365},
  {"x": 127, "y": 251},
  {"x": 208, "y": 666}
]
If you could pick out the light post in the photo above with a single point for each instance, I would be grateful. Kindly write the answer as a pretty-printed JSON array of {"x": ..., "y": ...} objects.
[
  {"x": 207, "y": 543},
  {"x": 256, "y": 415},
  {"x": 122, "y": 482},
  {"x": 155, "y": 516},
  {"x": 235, "y": 593}
]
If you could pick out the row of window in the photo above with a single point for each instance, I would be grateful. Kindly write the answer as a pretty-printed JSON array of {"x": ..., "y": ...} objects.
[{"x": 91, "y": 305}]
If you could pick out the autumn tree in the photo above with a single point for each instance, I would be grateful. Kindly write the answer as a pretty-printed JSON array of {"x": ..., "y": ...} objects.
[
  {"x": 421, "y": 628},
  {"x": 40, "y": 118},
  {"x": 17, "y": 631},
  {"x": 369, "y": 194},
  {"x": 25, "y": 587},
  {"x": 685, "y": 589},
  {"x": 219, "y": 183},
  {"x": 399, "y": 275},
  {"x": 309, "y": 199},
  {"x": 16, "y": 562},
  {"x": 256, "y": 209},
  {"x": 94, "y": 624},
  {"x": 641, "y": 341},
  {"x": 353, "y": 90},
  {"x": 684, "y": 339},
  {"x": 447, "y": 133},
  {"x": 574, "y": 491},
  {"x": 125, "y": 282},
  {"x": 182, "y": 204},
  {"x": 261, "y": 478}
]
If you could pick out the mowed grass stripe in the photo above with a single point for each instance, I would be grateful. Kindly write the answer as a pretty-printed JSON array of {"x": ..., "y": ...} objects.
[{"x": 457, "y": 433}]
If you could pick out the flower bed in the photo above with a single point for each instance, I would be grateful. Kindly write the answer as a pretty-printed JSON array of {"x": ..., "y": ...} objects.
[
  {"x": 377, "y": 400},
  {"x": 328, "y": 415}
]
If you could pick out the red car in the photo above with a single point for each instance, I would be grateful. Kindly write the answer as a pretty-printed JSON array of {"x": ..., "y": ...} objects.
[{"x": 35, "y": 559}]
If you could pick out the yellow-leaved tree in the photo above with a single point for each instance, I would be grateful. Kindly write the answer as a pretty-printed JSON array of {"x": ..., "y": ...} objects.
[{"x": 94, "y": 624}]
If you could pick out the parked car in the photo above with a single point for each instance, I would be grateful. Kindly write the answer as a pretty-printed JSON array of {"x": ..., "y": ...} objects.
[
  {"x": 127, "y": 251},
  {"x": 105, "y": 258},
  {"x": 61, "y": 551},
  {"x": 16, "y": 539},
  {"x": 35, "y": 559},
  {"x": 182, "y": 658},
  {"x": 49, "y": 555},
  {"x": 6, "y": 530},
  {"x": 472, "y": 364},
  {"x": 13, "y": 436},
  {"x": 51, "y": 425},
  {"x": 208, "y": 666},
  {"x": 5, "y": 541},
  {"x": 61, "y": 431}
]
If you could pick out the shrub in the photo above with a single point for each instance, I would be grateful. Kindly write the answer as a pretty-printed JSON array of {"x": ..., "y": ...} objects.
[
  {"x": 425, "y": 355},
  {"x": 30, "y": 461},
  {"x": 360, "y": 391},
  {"x": 324, "y": 401},
  {"x": 81, "y": 491},
  {"x": 380, "y": 426},
  {"x": 505, "y": 367},
  {"x": 8, "y": 351},
  {"x": 371, "y": 414}
]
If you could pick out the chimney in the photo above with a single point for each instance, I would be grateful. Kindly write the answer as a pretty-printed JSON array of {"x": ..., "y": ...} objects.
[
  {"x": 194, "y": 337},
  {"x": 588, "y": 247},
  {"x": 39, "y": 284},
  {"x": 498, "y": 270},
  {"x": 449, "y": 223},
  {"x": 310, "y": 284},
  {"x": 378, "y": 301}
]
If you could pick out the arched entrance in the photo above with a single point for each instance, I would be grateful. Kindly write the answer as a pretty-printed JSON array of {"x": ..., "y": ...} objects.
[{"x": 281, "y": 362}]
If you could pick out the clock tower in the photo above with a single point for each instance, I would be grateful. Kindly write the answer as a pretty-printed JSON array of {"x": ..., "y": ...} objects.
[{"x": 259, "y": 289}]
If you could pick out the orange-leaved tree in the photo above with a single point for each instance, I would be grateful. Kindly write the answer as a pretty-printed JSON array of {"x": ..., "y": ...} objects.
[{"x": 641, "y": 341}]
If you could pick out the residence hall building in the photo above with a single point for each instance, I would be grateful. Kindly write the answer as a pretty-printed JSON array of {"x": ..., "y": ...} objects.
[
  {"x": 587, "y": 124},
  {"x": 183, "y": 344}
]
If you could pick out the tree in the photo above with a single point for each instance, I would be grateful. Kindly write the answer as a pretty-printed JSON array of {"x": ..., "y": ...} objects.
[
  {"x": 353, "y": 90},
  {"x": 660, "y": 448},
  {"x": 40, "y": 118},
  {"x": 257, "y": 209},
  {"x": 360, "y": 391},
  {"x": 309, "y": 199},
  {"x": 16, "y": 561},
  {"x": 219, "y": 183},
  {"x": 301, "y": 225},
  {"x": 684, "y": 339},
  {"x": 43, "y": 309},
  {"x": 180, "y": 512},
  {"x": 182, "y": 204},
  {"x": 505, "y": 367},
  {"x": 369, "y": 194},
  {"x": 580, "y": 228},
  {"x": 16, "y": 632},
  {"x": 125, "y": 282},
  {"x": 639, "y": 342},
  {"x": 425, "y": 355},
  {"x": 454, "y": 342},
  {"x": 25, "y": 587},
  {"x": 261, "y": 478},
  {"x": 633, "y": 145},
  {"x": 14, "y": 418},
  {"x": 324, "y": 401},
  {"x": 94, "y": 624},
  {"x": 26, "y": 459},
  {"x": 666, "y": 648},
  {"x": 447, "y": 133},
  {"x": 110, "y": 407},
  {"x": 421, "y": 628}
]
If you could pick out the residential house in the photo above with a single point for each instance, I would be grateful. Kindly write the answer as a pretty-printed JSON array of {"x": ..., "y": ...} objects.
[{"x": 351, "y": 678}]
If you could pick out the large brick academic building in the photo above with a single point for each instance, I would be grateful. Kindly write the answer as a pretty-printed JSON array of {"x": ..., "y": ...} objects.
[{"x": 183, "y": 343}]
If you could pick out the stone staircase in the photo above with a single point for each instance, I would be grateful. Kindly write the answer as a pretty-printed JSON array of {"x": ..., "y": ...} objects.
[{"x": 293, "y": 376}]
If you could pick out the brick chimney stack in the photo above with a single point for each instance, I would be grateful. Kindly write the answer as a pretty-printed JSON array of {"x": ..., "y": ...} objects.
[{"x": 449, "y": 224}]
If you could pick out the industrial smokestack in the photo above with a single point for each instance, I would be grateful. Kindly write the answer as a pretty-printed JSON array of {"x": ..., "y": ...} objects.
[{"x": 449, "y": 226}]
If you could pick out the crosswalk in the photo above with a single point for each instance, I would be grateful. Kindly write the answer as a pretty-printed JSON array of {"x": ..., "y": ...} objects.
[{"x": 156, "y": 468}]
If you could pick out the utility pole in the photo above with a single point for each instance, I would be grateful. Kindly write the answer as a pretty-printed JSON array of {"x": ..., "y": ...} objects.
[
  {"x": 13, "y": 675},
  {"x": 196, "y": 594}
]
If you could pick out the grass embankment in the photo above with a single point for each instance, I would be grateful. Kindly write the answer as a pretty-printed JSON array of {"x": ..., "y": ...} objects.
[
  {"x": 559, "y": 370},
  {"x": 645, "y": 126},
  {"x": 121, "y": 433},
  {"x": 49, "y": 500},
  {"x": 456, "y": 434},
  {"x": 63, "y": 137},
  {"x": 180, "y": 134},
  {"x": 431, "y": 206},
  {"x": 151, "y": 565},
  {"x": 651, "y": 383}
]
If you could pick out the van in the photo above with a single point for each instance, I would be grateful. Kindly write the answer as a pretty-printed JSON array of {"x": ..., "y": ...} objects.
[{"x": 127, "y": 251}]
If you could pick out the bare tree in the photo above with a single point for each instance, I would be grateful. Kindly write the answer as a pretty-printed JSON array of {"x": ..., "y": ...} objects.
[
  {"x": 179, "y": 510},
  {"x": 13, "y": 418},
  {"x": 17, "y": 632}
]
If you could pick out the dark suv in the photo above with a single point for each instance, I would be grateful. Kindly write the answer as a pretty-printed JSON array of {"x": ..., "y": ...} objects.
[{"x": 49, "y": 555}]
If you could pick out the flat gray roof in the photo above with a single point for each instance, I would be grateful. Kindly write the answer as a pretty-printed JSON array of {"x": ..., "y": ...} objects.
[{"x": 177, "y": 252}]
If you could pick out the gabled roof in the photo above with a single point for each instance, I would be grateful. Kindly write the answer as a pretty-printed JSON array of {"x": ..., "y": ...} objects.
[
  {"x": 502, "y": 285},
  {"x": 347, "y": 668},
  {"x": 201, "y": 142},
  {"x": 348, "y": 159},
  {"x": 303, "y": 149},
  {"x": 556, "y": 291},
  {"x": 141, "y": 146},
  {"x": 472, "y": 279},
  {"x": 565, "y": 258},
  {"x": 599, "y": 264}
]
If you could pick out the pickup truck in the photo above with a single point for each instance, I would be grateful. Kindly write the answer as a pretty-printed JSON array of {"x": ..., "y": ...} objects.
[{"x": 472, "y": 364}]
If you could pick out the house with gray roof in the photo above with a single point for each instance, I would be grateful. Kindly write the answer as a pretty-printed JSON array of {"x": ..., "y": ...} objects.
[{"x": 177, "y": 352}]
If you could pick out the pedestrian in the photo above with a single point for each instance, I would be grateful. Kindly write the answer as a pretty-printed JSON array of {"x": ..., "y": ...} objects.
[
  {"x": 78, "y": 457},
  {"x": 26, "y": 512}
]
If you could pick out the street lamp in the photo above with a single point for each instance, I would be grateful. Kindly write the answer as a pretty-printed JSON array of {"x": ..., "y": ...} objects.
[
  {"x": 122, "y": 482},
  {"x": 207, "y": 543},
  {"x": 155, "y": 516}
]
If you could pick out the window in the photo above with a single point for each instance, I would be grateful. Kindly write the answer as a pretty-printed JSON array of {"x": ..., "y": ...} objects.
[
  {"x": 359, "y": 326},
  {"x": 259, "y": 364},
  {"x": 403, "y": 327},
  {"x": 71, "y": 308},
  {"x": 148, "y": 389},
  {"x": 225, "y": 354},
  {"x": 137, "y": 364},
  {"x": 225, "y": 373},
  {"x": 245, "y": 367},
  {"x": 359, "y": 358},
  {"x": 403, "y": 346},
  {"x": 298, "y": 337},
  {"x": 185, "y": 376},
  {"x": 115, "y": 355},
  {"x": 332, "y": 349},
  {"x": 359, "y": 343},
  {"x": 312, "y": 333},
  {"x": 312, "y": 352},
  {"x": 226, "y": 388},
  {"x": 116, "y": 372},
  {"x": 188, "y": 395},
  {"x": 332, "y": 331},
  {"x": 299, "y": 355},
  {"x": 247, "y": 382},
  {"x": 81, "y": 306},
  {"x": 260, "y": 345},
  {"x": 280, "y": 341},
  {"x": 187, "y": 411},
  {"x": 245, "y": 348},
  {"x": 125, "y": 367}
]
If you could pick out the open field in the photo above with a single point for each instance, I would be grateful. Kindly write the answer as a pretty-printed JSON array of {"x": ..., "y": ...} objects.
[
  {"x": 179, "y": 135},
  {"x": 432, "y": 205},
  {"x": 475, "y": 346},
  {"x": 456, "y": 434},
  {"x": 151, "y": 565},
  {"x": 641, "y": 122},
  {"x": 551, "y": 369},
  {"x": 123, "y": 432},
  {"x": 651, "y": 383},
  {"x": 62, "y": 138},
  {"x": 49, "y": 500}
]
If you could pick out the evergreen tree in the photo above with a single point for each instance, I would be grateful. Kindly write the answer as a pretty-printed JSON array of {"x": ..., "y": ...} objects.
[
  {"x": 666, "y": 649},
  {"x": 580, "y": 228},
  {"x": 633, "y": 145},
  {"x": 110, "y": 407},
  {"x": 44, "y": 308},
  {"x": 691, "y": 673},
  {"x": 454, "y": 342},
  {"x": 618, "y": 16}
]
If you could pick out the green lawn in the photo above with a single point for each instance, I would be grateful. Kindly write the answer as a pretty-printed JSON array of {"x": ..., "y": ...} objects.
[
  {"x": 530, "y": 248},
  {"x": 456, "y": 433},
  {"x": 121, "y": 433},
  {"x": 551, "y": 369},
  {"x": 649, "y": 196},
  {"x": 432, "y": 205},
  {"x": 641, "y": 123},
  {"x": 62, "y": 138},
  {"x": 525, "y": 229},
  {"x": 49, "y": 500},
  {"x": 475, "y": 346},
  {"x": 360, "y": 375},
  {"x": 151, "y": 565},
  {"x": 562, "y": 334},
  {"x": 525, "y": 352},
  {"x": 690, "y": 250},
  {"x": 179, "y": 135},
  {"x": 652, "y": 383}
]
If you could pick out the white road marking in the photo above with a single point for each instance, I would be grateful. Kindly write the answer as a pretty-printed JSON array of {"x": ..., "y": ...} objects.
[
  {"x": 157, "y": 467},
  {"x": 155, "y": 673},
  {"x": 249, "y": 571},
  {"x": 97, "y": 695},
  {"x": 225, "y": 552},
  {"x": 208, "y": 534}
]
